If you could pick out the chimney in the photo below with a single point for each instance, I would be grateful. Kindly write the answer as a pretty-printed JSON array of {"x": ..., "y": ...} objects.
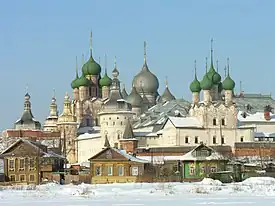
[
  {"x": 116, "y": 145},
  {"x": 267, "y": 111}
]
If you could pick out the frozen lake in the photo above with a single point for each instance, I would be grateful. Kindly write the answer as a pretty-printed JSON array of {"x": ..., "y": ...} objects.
[{"x": 254, "y": 191}]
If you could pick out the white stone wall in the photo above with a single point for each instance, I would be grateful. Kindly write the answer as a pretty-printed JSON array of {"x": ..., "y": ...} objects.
[
  {"x": 88, "y": 147},
  {"x": 113, "y": 125}
]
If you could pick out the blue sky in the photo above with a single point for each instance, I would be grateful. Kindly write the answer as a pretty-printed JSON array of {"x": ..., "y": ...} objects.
[{"x": 39, "y": 41}]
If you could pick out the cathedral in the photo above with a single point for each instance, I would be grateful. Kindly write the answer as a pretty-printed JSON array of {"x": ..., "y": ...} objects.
[{"x": 101, "y": 111}]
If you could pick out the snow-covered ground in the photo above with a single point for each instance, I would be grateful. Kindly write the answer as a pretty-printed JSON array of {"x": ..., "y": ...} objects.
[{"x": 253, "y": 191}]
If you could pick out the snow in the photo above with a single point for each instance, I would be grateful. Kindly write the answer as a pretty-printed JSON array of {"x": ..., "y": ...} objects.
[
  {"x": 255, "y": 191},
  {"x": 181, "y": 122}
]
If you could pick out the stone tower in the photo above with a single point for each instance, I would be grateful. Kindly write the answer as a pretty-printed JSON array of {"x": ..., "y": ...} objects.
[{"x": 67, "y": 126}]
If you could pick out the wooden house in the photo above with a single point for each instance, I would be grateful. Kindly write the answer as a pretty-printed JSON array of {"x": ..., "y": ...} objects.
[
  {"x": 116, "y": 165},
  {"x": 200, "y": 162},
  {"x": 28, "y": 161}
]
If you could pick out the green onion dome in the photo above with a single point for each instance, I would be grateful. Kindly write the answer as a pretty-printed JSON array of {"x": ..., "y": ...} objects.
[
  {"x": 91, "y": 67},
  {"x": 75, "y": 83},
  {"x": 206, "y": 83},
  {"x": 195, "y": 85},
  {"x": 83, "y": 81},
  {"x": 105, "y": 81},
  {"x": 228, "y": 83},
  {"x": 214, "y": 76}
]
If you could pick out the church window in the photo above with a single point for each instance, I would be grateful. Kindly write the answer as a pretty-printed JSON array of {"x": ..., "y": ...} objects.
[
  {"x": 186, "y": 140},
  {"x": 222, "y": 140},
  {"x": 214, "y": 121},
  {"x": 107, "y": 123},
  {"x": 87, "y": 122},
  {"x": 110, "y": 118},
  {"x": 118, "y": 136},
  {"x": 241, "y": 138},
  {"x": 114, "y": 123},
  {"x": 98, "y": 171},
  {"x": 196, "y": 140},
  {"x": 214, "y": 140},
  {"x": 223, "y": 121},
  {"x": 121, "y": 123},
  {"x": 69, "y": 143},
  {"x": 117, "y": 117},
  {"x": 96, "y": 122},
  {"x": 125, "y": 117}
]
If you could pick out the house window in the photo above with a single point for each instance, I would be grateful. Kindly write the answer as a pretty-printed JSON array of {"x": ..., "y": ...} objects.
[
  {"x": 214, "y": 121},
  {"x": 213, "y": 169},
  {"x": 11, "y": 164},
  {"x": 31, "y": 163},
  {"x": 192, "y": 171},
  {"x": 186, "y": 140},
  {"x": 120, "y": 171},
  {"x": 196, "y": 140},
  {"x": 241, "y": 138},
  {"x": 222, "y": 140},
  {"x": 214, "y": 140},
  {"x": 12, "y": 178},
  {"x": 202, "y": 169},
  {"x": 22, "y": 178},
  {"x": 98, "y": 171},
  {"x": 21, "y": 164},
  {"x": 31, "y": 178},
  {"x": 110, "y": 170},
  {"x": 134, "y": 171},
  {"x": 223, "y": 122}
]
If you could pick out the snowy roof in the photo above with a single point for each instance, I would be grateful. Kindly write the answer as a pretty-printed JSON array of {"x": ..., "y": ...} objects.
[
  {"x": 213, "y": 154},
  {"x": 264, "y": 134},
  {"x": 181, "y": 122},
  {"x": 253, "y": 103},
  {"x": 157, "y": 114},
  {"x": 256, "y": 117},
  {"x": 121, "y": 152},
  {"x": 89, "y": 136}
]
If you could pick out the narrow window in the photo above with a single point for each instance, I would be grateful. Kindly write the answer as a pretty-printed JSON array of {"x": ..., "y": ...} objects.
[
  {"x": 120, "y": 171},
  {"x": 214, "y": 121},
  {"x": 222, "y": 140},
  {"x": 12, "y": 178},
  {"x": 31, "y": 163},
  {"x": 214, "y": 140},
  {"x": 98, "y": 171},
  {"x": 223, "y": 122},
  {"x": 31, "y": 178},
  {"x": 114, "y": 123},
  {"x": 186, "y": 140},
  {"x": 241, "y": 138},
  {"x": 22, "y": 178},
  {"x": 21, "y": 164},
  {"x": 192, "y": 171},
  {"x": 196, "y": 140},
  {"x": 110, "y": 170},
  {"x": 11, "y": 164}
]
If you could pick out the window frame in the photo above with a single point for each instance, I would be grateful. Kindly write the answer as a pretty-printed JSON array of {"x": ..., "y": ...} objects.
[
  {"x": 110, "y": 170},
  {"x": 120, "y": 170},
  {"x": 98, "y": 173}
]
